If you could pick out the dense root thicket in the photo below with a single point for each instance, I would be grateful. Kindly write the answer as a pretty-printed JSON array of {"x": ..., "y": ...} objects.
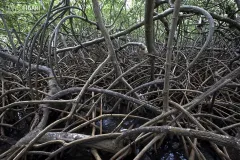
[{"x": 56, "y": 103}]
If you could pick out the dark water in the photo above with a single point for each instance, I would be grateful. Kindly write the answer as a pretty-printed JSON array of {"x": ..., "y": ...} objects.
[
  {"x": 110, "y": 123},
  {"x": 171, "y": 148}
]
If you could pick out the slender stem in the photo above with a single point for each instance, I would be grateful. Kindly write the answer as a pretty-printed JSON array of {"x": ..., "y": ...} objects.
[{"x": 169, "y": 55}]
